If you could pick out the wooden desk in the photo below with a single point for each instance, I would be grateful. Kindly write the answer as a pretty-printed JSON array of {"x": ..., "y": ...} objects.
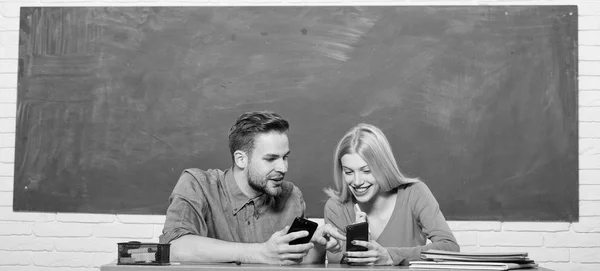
[{"x": 258, "y": 267}]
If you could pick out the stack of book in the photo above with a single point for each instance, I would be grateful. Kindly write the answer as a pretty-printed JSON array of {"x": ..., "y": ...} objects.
[{"x": 437, "y": 259}]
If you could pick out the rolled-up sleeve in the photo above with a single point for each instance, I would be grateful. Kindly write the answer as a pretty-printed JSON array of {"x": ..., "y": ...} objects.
[{"x": 185, "y": 214}]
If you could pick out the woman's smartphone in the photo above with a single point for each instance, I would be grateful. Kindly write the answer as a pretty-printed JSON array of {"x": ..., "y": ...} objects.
[
  {"x": 358, "y": 231},
  {"x": 302, "y": 224}
]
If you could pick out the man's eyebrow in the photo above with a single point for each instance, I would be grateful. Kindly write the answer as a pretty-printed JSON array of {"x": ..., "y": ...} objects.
[{"x": 274, "y": 155}]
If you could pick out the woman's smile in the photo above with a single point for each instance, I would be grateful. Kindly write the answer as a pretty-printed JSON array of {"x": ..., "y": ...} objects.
[{"x": 359, "y": 191}]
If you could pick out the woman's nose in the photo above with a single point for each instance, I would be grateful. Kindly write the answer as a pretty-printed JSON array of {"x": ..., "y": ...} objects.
[{"x": 357, "y": 180}]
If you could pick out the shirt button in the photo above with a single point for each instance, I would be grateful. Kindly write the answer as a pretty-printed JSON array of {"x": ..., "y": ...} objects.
[{"x": 248, "y": 222}]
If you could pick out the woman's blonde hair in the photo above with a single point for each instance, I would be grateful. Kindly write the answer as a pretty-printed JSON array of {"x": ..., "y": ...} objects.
[{"x": 370, "y": 144}]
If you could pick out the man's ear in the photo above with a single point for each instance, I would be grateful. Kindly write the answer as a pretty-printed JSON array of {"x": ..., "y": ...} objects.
[{"x": 240, "y": 159}]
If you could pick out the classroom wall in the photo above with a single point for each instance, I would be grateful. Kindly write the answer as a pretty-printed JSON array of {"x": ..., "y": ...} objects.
[{"x": 54, "y": 241}]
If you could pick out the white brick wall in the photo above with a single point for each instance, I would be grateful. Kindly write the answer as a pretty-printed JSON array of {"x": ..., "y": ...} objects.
[{"x": 50, "y": 241}]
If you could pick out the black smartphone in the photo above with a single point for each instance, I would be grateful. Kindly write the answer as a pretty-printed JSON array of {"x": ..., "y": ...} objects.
[
  {"x": 302, "y": 224},
  {"x": 358, "y": 231}
]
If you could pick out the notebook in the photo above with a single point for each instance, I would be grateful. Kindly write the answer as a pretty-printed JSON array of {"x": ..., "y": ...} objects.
[{"x": 470, "y": 265}]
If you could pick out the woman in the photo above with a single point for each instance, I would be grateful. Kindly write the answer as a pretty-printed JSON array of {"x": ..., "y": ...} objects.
[{"x": 402, "y": 212}]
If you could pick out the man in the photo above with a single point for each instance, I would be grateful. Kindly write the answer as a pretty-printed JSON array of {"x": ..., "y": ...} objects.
[{"x": 243, "y": 214}]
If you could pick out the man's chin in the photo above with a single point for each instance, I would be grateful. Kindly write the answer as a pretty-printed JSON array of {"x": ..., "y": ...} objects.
[{"x": 273, "y": 191}]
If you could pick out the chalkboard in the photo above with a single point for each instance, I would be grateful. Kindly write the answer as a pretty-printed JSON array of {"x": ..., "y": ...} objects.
[{"x": 480, "y": 102}]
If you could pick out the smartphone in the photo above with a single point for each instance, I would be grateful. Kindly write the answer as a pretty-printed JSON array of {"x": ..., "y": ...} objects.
[
  {"x": 358, "y": 231},
  {"x": 302, "y": 224}
]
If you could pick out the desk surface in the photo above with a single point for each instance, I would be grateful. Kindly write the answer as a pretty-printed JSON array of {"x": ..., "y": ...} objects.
[{"x": 257, "y": 267}]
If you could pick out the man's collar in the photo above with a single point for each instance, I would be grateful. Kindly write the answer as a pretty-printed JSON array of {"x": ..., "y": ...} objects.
[{"x": 238, "y": 198}]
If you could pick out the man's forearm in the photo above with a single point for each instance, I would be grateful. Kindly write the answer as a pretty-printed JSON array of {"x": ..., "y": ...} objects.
[{"x": 195, "y": 248}]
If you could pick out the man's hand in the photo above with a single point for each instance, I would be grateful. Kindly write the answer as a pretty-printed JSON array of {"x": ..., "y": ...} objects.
[
  {"x": 375, "y": 255},
  {"x": 277, "y": 249},
  {"x": 328, "y": 237}
]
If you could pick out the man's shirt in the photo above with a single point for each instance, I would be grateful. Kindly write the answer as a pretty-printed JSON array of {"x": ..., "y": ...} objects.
[{"x": 211, "y": 204}]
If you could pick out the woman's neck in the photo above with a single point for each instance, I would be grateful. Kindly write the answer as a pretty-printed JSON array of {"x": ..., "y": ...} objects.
[{"x": 381, "y": 202}]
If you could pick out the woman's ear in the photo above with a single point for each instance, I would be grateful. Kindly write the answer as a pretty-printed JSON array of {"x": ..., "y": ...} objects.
[{"x": 240, "y": 159}]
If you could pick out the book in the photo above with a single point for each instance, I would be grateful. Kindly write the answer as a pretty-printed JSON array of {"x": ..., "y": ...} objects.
[
  {"x": 470, "y": 265},
  {"x": 438, "y": 259},
  {"x": 476, "y": 254},
  {"x": 477, "y": 259}
]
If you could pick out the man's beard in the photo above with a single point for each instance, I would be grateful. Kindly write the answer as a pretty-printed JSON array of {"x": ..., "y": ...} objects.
[{"x": 259, "y": 183}]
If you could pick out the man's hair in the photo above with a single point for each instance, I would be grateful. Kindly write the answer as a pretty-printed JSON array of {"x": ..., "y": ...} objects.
[
  {"x": 249, "y": 125},
  {"x": 371, "y": 145}
]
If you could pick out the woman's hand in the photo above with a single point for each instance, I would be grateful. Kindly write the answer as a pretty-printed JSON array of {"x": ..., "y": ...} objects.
[
  {"x": 328, "y": 237},
  {"x": 360, "y": 217},
  {"x": 375, "y": 255}
]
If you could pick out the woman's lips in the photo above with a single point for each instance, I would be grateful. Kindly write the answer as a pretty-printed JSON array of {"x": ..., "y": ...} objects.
[{"x": 361, "y": 190}]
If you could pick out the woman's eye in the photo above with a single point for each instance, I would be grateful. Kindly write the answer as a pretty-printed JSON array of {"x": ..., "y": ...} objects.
[
  {"x": 348, "y": 172},
  {"x": 366, "y": 171}
]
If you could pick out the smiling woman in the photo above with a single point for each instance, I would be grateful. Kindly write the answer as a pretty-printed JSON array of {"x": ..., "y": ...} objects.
[
  {"x": 402, "y": 212},
  {"x": 359, "y": 178}
]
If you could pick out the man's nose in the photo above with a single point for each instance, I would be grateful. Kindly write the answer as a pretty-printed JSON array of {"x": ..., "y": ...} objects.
[{"x": 281, "y": 166}]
